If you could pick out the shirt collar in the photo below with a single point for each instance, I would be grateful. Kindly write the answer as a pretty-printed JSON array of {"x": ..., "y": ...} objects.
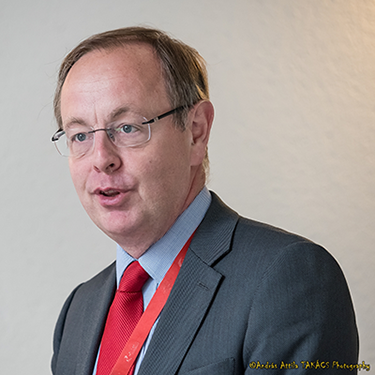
[{"x": 159, "y": 257}]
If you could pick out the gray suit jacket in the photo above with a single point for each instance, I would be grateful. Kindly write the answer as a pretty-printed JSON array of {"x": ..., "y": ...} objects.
[{"x": 248, "y": 295}]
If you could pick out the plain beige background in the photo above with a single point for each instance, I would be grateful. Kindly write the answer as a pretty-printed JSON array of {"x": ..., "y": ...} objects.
[{"x": 293, "y": 143}]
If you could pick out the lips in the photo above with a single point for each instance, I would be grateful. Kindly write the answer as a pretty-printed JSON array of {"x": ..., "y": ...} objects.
[
  {"x": 108, "y": 191},
  {"x": 110, "y": 196}
]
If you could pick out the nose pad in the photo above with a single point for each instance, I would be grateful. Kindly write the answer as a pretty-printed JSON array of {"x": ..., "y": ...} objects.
[{"x": 110, "y": 135}]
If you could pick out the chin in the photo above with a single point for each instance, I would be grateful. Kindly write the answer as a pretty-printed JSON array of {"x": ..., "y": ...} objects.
[{"x": 118, "y": 225}]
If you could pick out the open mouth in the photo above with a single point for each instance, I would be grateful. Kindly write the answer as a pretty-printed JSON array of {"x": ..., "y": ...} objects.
[{"x": 109, "y": 193}]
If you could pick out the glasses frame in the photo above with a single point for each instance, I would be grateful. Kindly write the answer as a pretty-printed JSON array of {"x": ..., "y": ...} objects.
[{"x": 60, "y": 132}]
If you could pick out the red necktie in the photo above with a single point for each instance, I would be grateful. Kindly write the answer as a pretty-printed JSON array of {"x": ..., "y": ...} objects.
[{"x": 123, "y": 316}]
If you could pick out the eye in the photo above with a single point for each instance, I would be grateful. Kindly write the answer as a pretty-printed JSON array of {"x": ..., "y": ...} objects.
[
  {"x": 79, "y": 137},
  {"x": 126, "y": 128}
]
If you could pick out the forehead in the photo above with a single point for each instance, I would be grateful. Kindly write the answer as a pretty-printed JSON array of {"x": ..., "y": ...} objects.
[
  {"x": 131, "y": 58},
  {"x": 126, "y": 76}
]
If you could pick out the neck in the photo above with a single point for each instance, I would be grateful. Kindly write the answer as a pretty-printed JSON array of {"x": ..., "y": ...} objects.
[{"x": 138, "y": 245}]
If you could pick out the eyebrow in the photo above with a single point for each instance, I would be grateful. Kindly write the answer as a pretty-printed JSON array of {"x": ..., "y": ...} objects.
[
  {"x": 118, "y": 112},
  {"x": 73, "y": 121}
]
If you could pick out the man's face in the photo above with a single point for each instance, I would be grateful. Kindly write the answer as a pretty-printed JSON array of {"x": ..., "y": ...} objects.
[{"x": 133, "y": 194}]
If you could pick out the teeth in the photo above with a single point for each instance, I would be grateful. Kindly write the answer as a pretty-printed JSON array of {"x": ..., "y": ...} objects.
[{"x": 109, "y": 193}]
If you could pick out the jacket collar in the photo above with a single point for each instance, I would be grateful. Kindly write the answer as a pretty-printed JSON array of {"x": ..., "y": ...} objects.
[{"x": 214, "y": 235}]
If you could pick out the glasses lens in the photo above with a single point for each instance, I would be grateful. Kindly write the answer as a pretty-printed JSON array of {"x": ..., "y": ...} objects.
[
  {"x": 130, "y": 135},
  {"x": 75, "y": 144}
]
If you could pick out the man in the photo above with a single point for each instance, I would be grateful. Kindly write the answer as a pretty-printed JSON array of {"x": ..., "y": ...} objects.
[{"x": 134, "y": 118}]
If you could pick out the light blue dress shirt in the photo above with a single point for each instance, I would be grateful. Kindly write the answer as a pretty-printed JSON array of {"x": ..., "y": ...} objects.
[{"x": 160, "y": 256}]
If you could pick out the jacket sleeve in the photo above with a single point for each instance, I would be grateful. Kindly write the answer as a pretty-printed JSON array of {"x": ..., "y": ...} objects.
[{"x": 302, "y": 319}]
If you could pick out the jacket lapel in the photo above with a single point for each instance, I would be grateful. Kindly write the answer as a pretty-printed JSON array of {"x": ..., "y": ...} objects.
[
  {"x": 192, "y": 293},
  {"x": 92, "y": 320}
]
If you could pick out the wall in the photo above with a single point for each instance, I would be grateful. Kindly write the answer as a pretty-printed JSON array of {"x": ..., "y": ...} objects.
[{"x": 292, "y": 145}]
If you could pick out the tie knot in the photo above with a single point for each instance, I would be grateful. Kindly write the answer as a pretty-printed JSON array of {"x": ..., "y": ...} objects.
[{"x": 133, "y": 278}]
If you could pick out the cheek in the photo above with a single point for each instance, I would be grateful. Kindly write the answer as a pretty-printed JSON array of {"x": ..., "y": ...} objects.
[
  {"x": 78, "y": 176},
  {"x": 166, "y": 157},
  {"x": 160, "y": 174}
]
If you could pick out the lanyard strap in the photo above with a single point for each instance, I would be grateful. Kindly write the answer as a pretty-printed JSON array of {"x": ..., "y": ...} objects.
[{"x": 138, "y": 337}]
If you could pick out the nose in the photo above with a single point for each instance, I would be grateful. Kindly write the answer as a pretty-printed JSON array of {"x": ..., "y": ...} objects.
[{"x": 104, "y": 154}]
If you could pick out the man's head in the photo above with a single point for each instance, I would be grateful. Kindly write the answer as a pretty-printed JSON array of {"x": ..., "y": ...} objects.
[{"x": 134, "y": 194}]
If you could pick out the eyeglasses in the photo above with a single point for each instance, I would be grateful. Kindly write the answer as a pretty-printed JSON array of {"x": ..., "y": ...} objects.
[{"x": 77, "y": 141}]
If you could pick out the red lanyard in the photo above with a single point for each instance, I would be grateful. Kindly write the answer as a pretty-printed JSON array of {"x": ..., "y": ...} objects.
[{"x": 138, "y": 337}]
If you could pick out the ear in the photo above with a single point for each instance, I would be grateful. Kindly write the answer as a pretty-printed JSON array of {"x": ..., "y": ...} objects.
[{"x": 201, "y": 120}]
